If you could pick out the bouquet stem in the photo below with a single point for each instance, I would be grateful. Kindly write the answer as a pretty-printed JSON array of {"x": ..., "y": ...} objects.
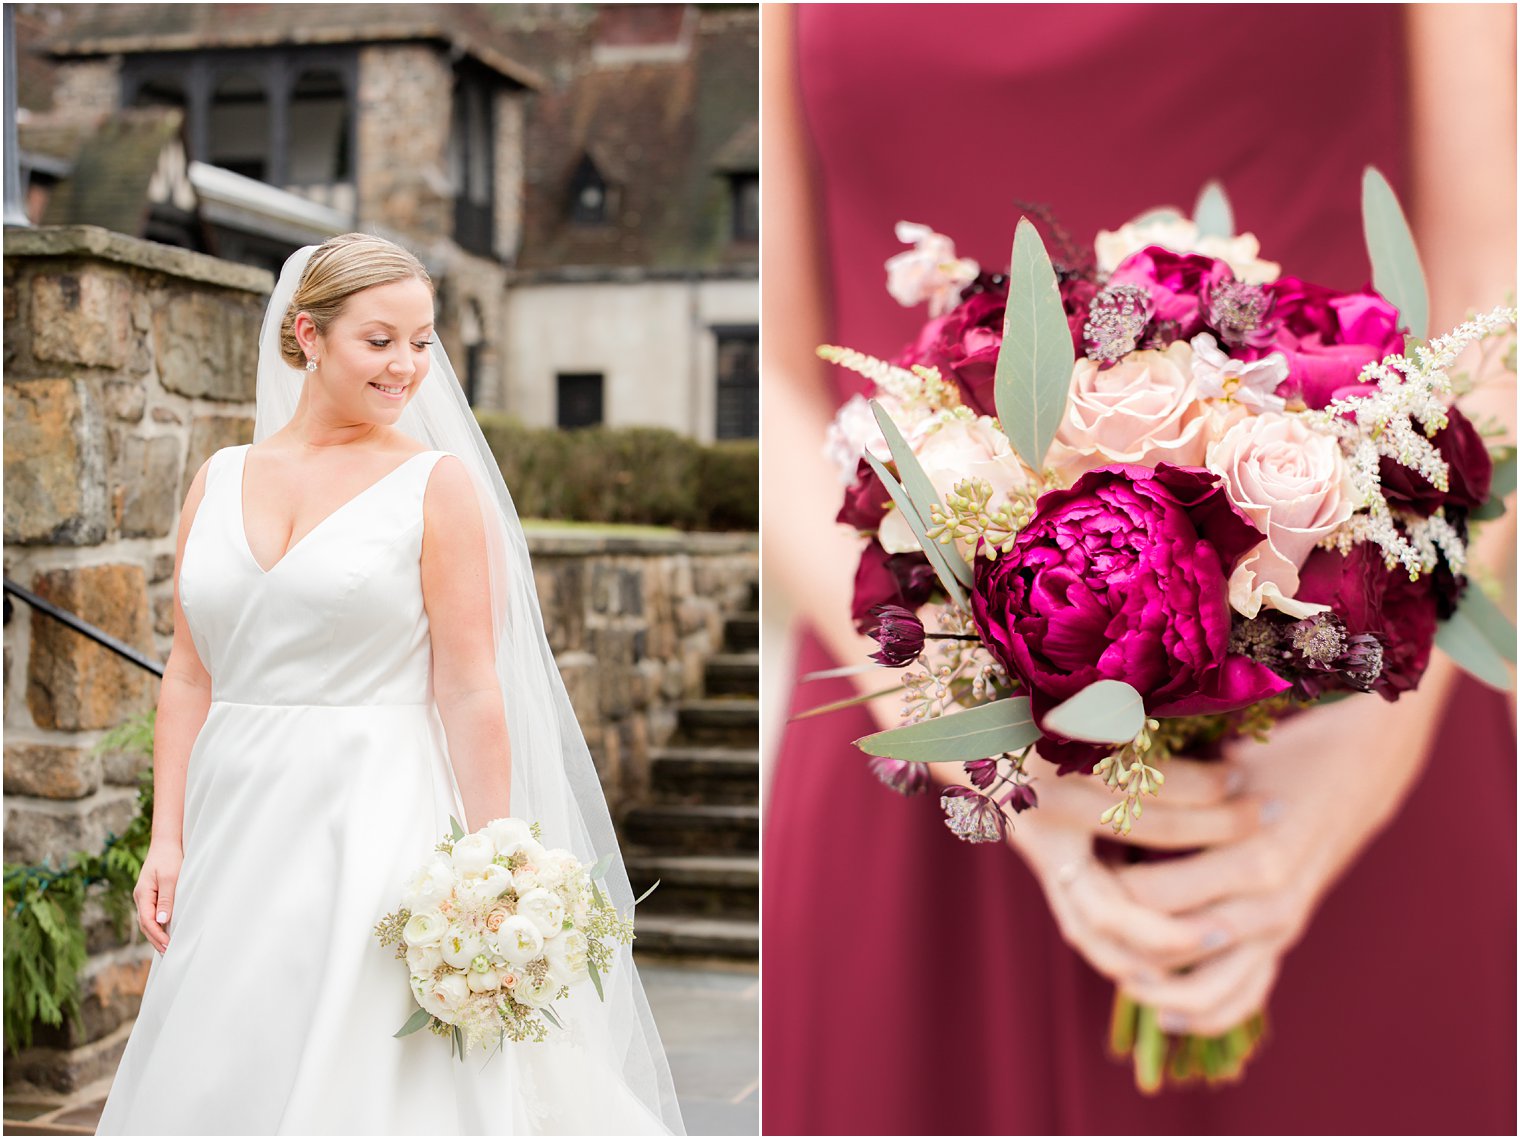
[{"x": 1162, "y": 1059}]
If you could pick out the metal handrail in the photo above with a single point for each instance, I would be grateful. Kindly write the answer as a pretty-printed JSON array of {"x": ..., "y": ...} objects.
[{"x": 80, "y": 625}]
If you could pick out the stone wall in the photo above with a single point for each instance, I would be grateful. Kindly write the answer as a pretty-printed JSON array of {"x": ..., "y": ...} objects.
[
  {"x": 126, "y": 365},
  {"x": 405, "y": 92}
]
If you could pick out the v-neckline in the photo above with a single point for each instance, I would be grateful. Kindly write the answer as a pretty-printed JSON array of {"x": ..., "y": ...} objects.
[{"x": 301, "y": 541}]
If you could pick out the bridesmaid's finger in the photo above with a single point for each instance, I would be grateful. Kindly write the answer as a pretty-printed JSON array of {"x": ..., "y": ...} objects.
[
  {"x": 1275, "y": 918},
  {"x": 1178, "y": 885},
  {"x": 1158, "y": 939},
  {"x": 1199, "y": 783},
  {"x": 1102, "y": 953},
  {"x": 1167, "y": 821},
  {"x": 1216, "y": 997}
]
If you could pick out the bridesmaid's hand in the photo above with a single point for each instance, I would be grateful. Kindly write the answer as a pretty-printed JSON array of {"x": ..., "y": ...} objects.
[
  {"x": 1333, "y": 777},
  {"x": 154, "y": 893}
]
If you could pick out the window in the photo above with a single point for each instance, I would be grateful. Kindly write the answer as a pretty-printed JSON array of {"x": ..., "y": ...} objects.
[
  {"x": 472, "y": 158},
  {"x": 738, "y": 382},
  {"x": 579, "y": 399},
  {"x": 239, "y": 125},
  {"x": 591, "y": 196},
  {"x": 746, "y": 206}
]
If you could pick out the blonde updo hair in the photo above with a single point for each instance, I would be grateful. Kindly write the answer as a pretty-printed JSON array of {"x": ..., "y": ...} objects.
[{"x": 338, "y": 268}]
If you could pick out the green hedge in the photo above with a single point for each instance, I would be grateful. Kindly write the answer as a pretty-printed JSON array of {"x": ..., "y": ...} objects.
[{"x": 638, "y": 475}]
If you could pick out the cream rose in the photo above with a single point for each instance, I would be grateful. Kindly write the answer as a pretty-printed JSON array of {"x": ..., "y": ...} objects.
[
  {"x": 472, "y": 854},
  {"x": 953, "y": 450},
  {"x": 1145, "y": 409},
  {"x": 518, "y": 940},
  {"x": 449, "y": 992},
  {"x": 544, "y": 909},
  {"x": 425, "y": 928},
  {"x": 1294, "y": 484}
]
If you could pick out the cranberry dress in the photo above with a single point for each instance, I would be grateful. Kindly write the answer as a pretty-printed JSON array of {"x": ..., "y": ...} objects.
[{"x": 918, "y": 984}]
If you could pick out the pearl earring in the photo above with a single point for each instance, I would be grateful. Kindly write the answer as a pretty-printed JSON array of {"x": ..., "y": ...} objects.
[{"x": 311, "y": 365}]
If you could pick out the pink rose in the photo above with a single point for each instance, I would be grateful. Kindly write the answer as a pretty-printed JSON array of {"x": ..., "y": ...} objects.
[
  {"x": 1294, "y": 484},
  {"x": 1144, "y": 410},
  {"x": 951, "y": 451}
]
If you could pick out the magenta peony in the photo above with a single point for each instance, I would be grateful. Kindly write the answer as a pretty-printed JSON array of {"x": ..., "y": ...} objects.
[{"x": 1123, "y": 576}]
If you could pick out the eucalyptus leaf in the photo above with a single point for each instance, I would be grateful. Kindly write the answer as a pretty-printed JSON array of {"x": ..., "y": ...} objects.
[
  {"x": 1470, "y": 648},
  {"x": 847, "y": 670},
  {"x": 596, "y": 978},
  {"x": 601, "y": 865},
  {"x": 647, "y": 892},
  {"x": 931, "y": 548},
  {"x": 1036, "y": 358},
  {"x": 1213, "y": 215},
  {"x": 920, "y": 490},
  {"x": 414, "y": 1022},
  {"x": 1396, "y": 272},
  {"x": 458, "y": 831},
  {"x": 1489, "y": 620},
  {"x": 1502, "y": 486},
  {"x": 1105, "y": 712},
  {"x": 976, "y": 733},
  {"x": 849, "y": 702},
  {"x": 551, "y": 1016}
]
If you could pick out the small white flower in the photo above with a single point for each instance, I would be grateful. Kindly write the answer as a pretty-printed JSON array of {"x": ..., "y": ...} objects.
[
  {"x": 425, "y": 928},
  {"x": 472, "y": 854},
  {"x": 1252, "y": 383},
  {"x": 930, "y": 271}
]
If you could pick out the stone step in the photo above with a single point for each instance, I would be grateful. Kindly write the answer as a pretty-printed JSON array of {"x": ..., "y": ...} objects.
[
  {"x": 726, "y": 720},
  {"x": 733, "y": 674},
  {"x": 697, "y": 885},
  {"x": 705, "y": 775},
  {"x": 697, "y": 937},
  {"x": 741, "y": 633},
  {"x": 694, "y": 828}
]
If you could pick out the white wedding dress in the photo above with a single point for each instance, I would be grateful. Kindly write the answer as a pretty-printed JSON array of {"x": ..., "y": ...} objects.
[{"x": 320, "y": 780}]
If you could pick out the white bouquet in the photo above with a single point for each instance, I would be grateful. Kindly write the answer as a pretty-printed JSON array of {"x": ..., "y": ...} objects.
[{"x": 495, "y": 928}]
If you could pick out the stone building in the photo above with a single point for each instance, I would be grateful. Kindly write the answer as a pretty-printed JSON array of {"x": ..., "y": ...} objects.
[{"x": 580, "y": 180}]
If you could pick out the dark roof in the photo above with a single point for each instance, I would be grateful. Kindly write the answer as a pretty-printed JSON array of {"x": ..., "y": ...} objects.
[
  {"x": 108, "y": 185},
  {"x": 668, "y": 132},
  {"x": 109, "y": 29}
]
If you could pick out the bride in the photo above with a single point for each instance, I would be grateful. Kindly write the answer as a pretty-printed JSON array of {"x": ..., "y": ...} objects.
[{"x": 358, "y": 654}]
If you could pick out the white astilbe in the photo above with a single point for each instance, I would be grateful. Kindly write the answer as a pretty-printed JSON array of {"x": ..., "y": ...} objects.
[
  {"x": 1396, "y": 422},
  {"x": 913, "y": 386}
]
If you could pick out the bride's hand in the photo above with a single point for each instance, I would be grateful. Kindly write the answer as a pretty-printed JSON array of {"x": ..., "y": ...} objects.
[
  {"x": 154, "y": 893},
  {"x": 1336, "y": 774}
]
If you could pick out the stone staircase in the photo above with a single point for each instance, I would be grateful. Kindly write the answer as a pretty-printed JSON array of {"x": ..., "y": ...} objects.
[{"x": 699, "y": 833}]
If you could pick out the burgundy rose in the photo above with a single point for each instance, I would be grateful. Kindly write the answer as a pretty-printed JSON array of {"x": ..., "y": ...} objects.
[
  {"x": 963, "y": 344},
  {"x": 1176, "y": 283},
  {"x": 1471, "y": 472},
  {"x": 866, "y": 501},
  {"x": 1123, "y": 577},
  {"x": 1371, "y": 598},
  {"x": 1327, "y": 337},
  {"x": 889, "y": 579}
]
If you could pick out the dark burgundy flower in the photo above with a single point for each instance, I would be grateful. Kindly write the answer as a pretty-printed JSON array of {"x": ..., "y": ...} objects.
[
  {"x": 1471, "y": 472},
  {"x": 899, "y": 633},
  {"x": 963, "y": 344},
  {"x": 971, "y": 815},
  {"x": 1176, "y": 283},
  {"x": 902, "y": 776},
  {"x": 1327, "y": 337},
  {"x": 1371, "y": 598},
  {"x": 1020, "y": 798},
  {"x": 890, "y": 579},
  {"x": 982, "y": 772},
  {"x": 1123, "y": 577},
  {"x": 1077, "y": 293},
  {"x": 866, "y": 501}
]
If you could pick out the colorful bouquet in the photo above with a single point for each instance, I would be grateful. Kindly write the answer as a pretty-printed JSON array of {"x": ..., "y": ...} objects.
[
  {"x": 1121, "y": 510},
  {"x": 495, "y": 928}
]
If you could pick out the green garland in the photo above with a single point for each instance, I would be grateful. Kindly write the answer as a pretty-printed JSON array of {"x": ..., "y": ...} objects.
[{"x": 44, "y": 936}]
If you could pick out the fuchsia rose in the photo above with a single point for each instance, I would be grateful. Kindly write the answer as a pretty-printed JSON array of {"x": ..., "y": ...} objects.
[
  {"x": 1176, "y": 283},
  {"x": 1123, "y": 576},
  {"x": 1327, "y": 337},
  {"x": 963, "y": 344},
  {"x": 1371, "y": 598}
]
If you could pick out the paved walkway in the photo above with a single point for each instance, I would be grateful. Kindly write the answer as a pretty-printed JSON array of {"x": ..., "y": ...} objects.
[{"x": 709, "y": 1021}]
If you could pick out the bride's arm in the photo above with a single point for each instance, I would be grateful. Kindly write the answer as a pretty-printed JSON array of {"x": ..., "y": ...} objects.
[
  {"x": 184, "y": 699},
  {"x": 456, "y": 593}
]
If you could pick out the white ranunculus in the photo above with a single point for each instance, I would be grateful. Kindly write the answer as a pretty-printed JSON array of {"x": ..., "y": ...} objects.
[
  {"x": 425, "y": 928},
  {"x": 518, "y": 940},
  {"x": 544, "y": 909},
  {"x": 504, "y": 832},
  {"x": 535, "y": 992},
  {"x": 429, "y": 885},
  {"x": 423, "y": 959},
  {"x": 566, "y": 956},
  {"x": 472, "y": 854},
  {"x": 459, "y": 946}
]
